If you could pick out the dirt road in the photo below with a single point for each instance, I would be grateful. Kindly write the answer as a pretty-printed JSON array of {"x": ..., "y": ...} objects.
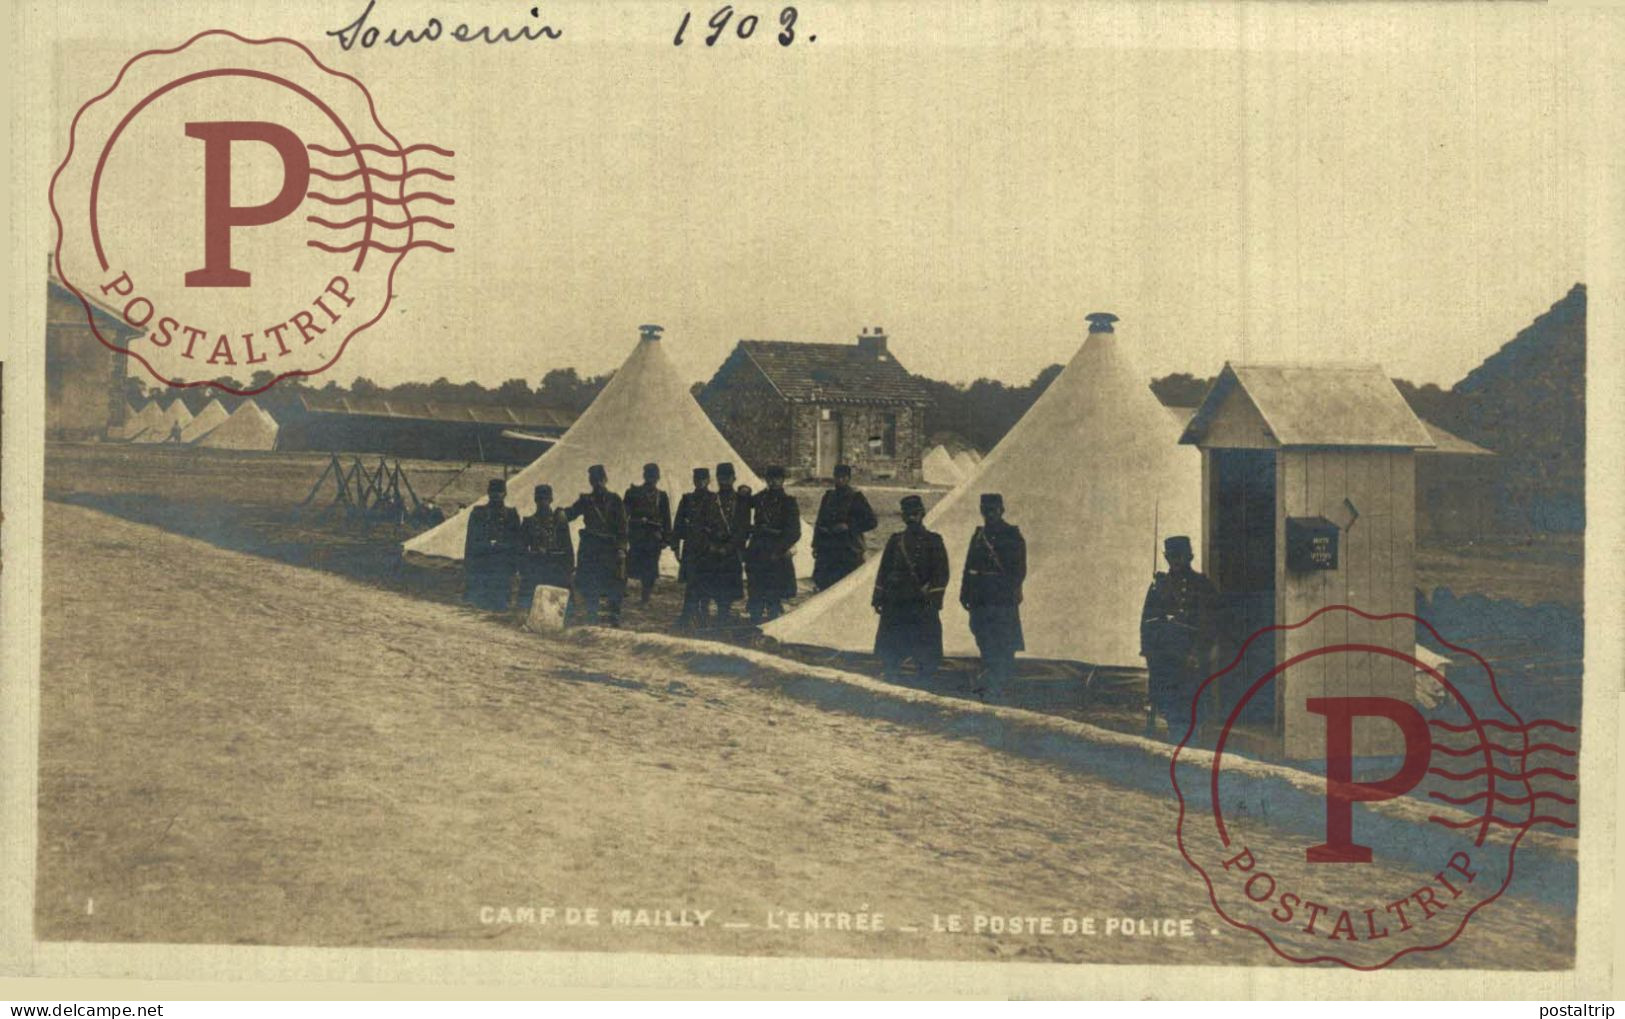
[{"x": 239, "y": 751}]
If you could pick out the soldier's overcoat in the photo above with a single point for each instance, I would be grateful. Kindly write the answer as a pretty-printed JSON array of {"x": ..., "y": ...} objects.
[{"x": 844, "y": 517}]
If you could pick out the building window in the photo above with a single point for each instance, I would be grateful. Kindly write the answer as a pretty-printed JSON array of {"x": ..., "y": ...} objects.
[{"x": 885, "y": 444}]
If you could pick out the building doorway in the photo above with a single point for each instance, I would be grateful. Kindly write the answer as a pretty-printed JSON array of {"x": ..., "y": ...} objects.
[
  {"x": 829, "y": 441},
  {"x": 1243, "y": 518}
]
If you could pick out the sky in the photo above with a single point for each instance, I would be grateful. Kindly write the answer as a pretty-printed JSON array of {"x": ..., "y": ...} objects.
[{"x": 1248, "y": 184}]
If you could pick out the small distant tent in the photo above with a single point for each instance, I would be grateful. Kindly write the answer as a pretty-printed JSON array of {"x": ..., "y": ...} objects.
[
  {"x": 1094, "y": 476},
  {"x": 208, "y": 419},
  {"x": 248, "y": 427},
  {"x": 175, "y": 418},
  {"x": 966, "y": 461},
  {"x": 938, "y": 468},
  {"x": 645, "y": 414}
]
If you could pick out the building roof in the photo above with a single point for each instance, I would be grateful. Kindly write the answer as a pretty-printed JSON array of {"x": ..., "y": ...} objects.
[
  {"x": 1318, "y": 405},
  {"x": 833, "y": 373},
  {"x": 106, "y": 317},
  {"x": 1449, "y": 443},
  {"x": 548, "y": 418},
  {"x": 1444, "y": 442}
]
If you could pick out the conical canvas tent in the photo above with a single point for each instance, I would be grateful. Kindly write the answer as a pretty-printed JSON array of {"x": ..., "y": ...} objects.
[
  {"x": 1094, "y": 476},
  {"x": 248, "y": 428},
  {"x": 175, "y": 417},
  {"x": 938, "y": 468},
  {"x": 646, "y": 414},
  {"x": 966, "y": 462},
  {"x": 208, "y": 419}
]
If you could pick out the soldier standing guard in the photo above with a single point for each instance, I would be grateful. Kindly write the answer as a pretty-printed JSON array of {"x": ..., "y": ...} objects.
[
  {"x": 601, "y": 566},
  {"x": 908, "y": 595},
  {"x": 1178, "y": 637},
  {"x": 726, "y": 582},
  {"x": 995, "y": 567},
  {"x": 489, "y": 549},
  {"x": 770, "y": 567},
  {"x": 648, "y": 513},
  {"x": 844, "y": 517},
  {"x": 547, "y": 554},
  {"x": 697, "y": 517}
]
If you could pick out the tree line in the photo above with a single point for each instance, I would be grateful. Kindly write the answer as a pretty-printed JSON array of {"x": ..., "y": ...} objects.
[
  {"x": 1526, "y": 403},
  {"x": 975, "y": 414}
]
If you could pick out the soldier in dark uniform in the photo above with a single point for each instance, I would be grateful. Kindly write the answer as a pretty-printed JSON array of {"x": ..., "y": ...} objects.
[
  {"x": 698, "y": 517},
  {"x": 490, "y": 547},
  {"x": 601, "y": 566},
  {"x": 547, "y": 553},
  {"x": 725, "y": 583},
  {"x": 995, "y": 567},
  {"x": 908, "y": 595},
  {"x": 770, "y": 566},
  {"x": 1179, "y": 631},
  {"x": 648, "y": 513},
  {"x": 844, "y": 517}
]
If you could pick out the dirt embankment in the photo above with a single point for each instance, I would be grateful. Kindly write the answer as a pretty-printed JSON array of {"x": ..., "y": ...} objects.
[{"x": 234, "y": 750}]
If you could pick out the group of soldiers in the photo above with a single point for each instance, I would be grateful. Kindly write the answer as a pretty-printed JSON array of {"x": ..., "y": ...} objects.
[
  {"x": 913, "y": 581},
  {"x": 733, "y": 544}
]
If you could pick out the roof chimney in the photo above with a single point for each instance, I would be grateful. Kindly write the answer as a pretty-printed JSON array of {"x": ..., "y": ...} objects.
[
  {"x": 1101, "y": 321},
  {"x": 873, "y": 343},
  {"x": 650, "y": 332}
]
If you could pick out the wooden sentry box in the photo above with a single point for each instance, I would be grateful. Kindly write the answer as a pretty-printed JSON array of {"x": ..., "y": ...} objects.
[{"x": 1308, "y": 481}]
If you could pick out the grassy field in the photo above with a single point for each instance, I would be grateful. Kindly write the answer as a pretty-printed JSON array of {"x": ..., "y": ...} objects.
[{"x": 1530, "y": 571}]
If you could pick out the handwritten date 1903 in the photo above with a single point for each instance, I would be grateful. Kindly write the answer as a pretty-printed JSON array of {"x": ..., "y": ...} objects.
[{"x": 744, "y": 28}]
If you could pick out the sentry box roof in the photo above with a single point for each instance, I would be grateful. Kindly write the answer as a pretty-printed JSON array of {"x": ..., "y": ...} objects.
[{"x": 1313, "y": 405}]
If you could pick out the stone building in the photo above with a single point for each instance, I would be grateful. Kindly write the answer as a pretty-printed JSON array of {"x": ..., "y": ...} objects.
[
  {"x": 84, "y": 381},
  {"x": 810, "y": 406}
]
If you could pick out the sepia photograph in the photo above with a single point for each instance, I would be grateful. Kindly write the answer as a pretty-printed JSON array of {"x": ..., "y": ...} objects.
[{"x": 1028, "y": 486}]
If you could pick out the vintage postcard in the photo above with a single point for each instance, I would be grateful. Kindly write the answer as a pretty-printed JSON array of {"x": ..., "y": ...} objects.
[{"x": 944, "y": 499}]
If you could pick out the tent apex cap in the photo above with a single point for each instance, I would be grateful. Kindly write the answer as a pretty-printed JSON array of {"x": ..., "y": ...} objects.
[
  {"x": 1100, "y": 321},
  {"x": 650, "y": 332}
]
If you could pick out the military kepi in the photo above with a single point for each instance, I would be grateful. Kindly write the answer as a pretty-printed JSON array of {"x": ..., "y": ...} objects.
[
  {"x": 543, "y": 493},
  {"x": 774, "y": 471},
  {"x": 992, "y": 500},
  {"x": 843, "y": 470},
  {"x": 1178, "y": 544},
  {"x": 913, "y": 504},
  {"x": 497, "y": 486},
  {"x": 597, "y": 473}
]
